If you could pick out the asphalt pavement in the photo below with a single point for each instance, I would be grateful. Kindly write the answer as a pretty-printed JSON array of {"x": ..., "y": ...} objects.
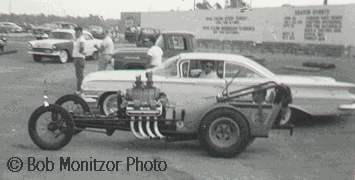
[{"x": 321, "y": 148}]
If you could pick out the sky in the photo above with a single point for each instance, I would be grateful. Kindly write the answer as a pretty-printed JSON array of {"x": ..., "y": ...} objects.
[{"x": 113, "y": 8}]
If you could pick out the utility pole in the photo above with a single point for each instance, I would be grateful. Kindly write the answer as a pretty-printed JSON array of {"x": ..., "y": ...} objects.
[
  {"x": 10, "y": 7},
  {"x": 194, "y": 4}
]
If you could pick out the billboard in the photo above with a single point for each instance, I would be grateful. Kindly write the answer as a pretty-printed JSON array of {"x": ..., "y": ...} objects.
[{"x": 330, "y": 24}]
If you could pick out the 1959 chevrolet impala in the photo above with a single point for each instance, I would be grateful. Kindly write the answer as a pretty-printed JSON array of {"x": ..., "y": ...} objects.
[{"x": 179, "y": 78}]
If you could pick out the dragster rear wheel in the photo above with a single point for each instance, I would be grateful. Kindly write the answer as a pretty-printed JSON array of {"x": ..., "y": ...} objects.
[
  {"x": 224, "y": 133},
  {"x": 75, "y": 105},
  {"x": 54, "y": 133}
]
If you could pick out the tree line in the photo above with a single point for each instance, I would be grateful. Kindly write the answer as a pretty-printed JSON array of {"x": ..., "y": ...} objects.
[{"x": 40, "y": 19}]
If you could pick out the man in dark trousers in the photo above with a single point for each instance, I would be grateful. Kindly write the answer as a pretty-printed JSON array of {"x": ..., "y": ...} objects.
[{"x": 79, "y": 58}]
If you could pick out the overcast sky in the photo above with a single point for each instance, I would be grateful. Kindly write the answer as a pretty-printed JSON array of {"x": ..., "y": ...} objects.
[{"x": 113, "y": 8}]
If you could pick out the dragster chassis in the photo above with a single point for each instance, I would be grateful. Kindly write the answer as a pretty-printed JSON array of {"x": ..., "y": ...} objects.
[{"x": 64, "y": 123}]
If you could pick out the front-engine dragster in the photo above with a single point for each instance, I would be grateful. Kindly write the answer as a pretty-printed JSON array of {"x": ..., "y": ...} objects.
[{"x": 225, "y": 129}]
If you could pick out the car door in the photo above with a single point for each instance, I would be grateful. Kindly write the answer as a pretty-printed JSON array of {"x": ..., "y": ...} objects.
[
  {"x": 89, "y": 44},
  {"x": 187, "y": 91}
]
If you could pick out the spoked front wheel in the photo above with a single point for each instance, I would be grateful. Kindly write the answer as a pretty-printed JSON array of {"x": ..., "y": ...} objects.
[
  {"x": 50, "y": 133},
  {"x": 75, "y": 105}
]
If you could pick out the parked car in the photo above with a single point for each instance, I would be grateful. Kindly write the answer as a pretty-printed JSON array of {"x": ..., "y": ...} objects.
[
  {"x": 179, "y": 77},
  {"x": 59, "y": 46},
  {"x": 3, "y": 43},
  {"x": 131, "y": 34},
  {"x": 145, "y": 34},
  {"x": 40, "y": 34},
  {"x": 12, "y": 27},
  {"x": 46, "y": 28},
  {"x": 66, "y": 25},
  {"x": 171, "y": 42}
]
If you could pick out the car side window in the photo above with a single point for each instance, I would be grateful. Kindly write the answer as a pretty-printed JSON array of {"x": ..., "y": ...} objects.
[
  {"x": 178, "y": 43},
  {"x": 231, "y": 69},
  {"x": 196, "y": 68},
  {"x": 87, "y": 37}
]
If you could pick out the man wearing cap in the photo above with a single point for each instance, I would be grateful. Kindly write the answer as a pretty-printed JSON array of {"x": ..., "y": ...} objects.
[
  {"x": 79, "y": 58},
  {"x": 106, "y": 49}
]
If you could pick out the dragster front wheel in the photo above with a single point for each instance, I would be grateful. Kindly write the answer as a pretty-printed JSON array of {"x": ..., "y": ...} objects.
[
  {"x": 50, "y": 133},
  {"x": 224, "y": 133},
  {"x": 75, "y": 105}
]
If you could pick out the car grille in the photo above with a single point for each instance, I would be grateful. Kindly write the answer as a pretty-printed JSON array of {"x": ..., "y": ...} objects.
[{"x": 41, "y": 50}]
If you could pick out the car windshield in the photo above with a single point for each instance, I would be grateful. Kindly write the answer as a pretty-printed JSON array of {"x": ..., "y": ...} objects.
[
  {"x": 168, "y": 68},
  {"x": 62, "y": 35}
]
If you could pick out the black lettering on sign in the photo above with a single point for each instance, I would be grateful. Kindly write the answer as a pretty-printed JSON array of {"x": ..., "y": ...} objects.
[{"x": 303, "y": 12}]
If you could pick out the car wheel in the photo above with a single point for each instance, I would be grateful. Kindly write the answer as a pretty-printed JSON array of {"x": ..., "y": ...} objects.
[
  {"x": 224, "y": 133},
  {"x": 63, "y": 56},
  {"x": 109, "y": 104},
  {"x": 55, "y": 133},
  {"x": 75, "y": 105},
  {"x": 95, "y": 55},
  {"x": 37, "y": 58}
]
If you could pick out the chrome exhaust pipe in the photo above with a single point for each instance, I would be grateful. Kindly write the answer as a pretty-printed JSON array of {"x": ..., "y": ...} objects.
[
  {"x": 135, "y": 133},
  {"x": 156, "y": 129},
  {"x": 145, "y": 136},
  {"x": 151, "y": 134}
]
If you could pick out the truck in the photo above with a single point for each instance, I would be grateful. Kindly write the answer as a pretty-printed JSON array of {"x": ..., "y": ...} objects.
[{"x": 171, "y": 42}]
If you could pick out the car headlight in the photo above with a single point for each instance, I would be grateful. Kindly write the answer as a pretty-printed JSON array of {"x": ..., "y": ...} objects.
[
  {"x": 54, "y": 47},
  {"x": 30, "y": 45}
]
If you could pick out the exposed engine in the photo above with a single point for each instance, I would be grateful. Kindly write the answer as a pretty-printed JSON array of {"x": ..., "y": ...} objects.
[
  {"x": 143, "y": 100},
  {"x": 143, "y": 104}
]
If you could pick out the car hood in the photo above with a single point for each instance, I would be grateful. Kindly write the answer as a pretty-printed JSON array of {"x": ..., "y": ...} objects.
[
  {"x": 310, "y": 80},
  {"x": 48, "y": 43}
]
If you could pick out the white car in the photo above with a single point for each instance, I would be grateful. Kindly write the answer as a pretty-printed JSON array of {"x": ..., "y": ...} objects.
[
  {"x": 179, "y": 78},
  {"x": 59, "y": 46}
]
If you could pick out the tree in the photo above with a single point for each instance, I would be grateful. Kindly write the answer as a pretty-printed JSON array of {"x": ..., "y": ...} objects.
[{"x": 325, "y": 2}]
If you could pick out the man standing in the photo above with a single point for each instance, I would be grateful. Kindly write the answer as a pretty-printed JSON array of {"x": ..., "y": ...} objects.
[
  {"x": 106, "y": 50},
  {"x": 79, "y": 58},
  {"x": 155, "y": 54}
]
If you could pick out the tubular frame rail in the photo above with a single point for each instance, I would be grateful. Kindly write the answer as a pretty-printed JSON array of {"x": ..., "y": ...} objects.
[{"x": 252, "y": 89}]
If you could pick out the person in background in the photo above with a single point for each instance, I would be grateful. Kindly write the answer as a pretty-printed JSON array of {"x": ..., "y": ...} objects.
[
  {"x": 112, "y": 31},
  {"x": 116, "y": 31},
  {"x": 208, "y": 71},
  {"x": 106, "y": 49},
  {"x": 155, "y": 54},
  {"x": 79, "y": 58}
]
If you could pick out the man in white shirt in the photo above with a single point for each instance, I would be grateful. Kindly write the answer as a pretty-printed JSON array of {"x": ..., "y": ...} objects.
[
  {"x": 208, "y": 71},
  {"x": 106, "y": 50},
  {"x": 79, "y": 58},
  {"x": 155, "y": 54}
]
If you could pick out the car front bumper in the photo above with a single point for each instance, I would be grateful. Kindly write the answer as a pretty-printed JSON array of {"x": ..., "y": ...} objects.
[
  {"x": 347, "y": 106},
  {"x": 51, "y": 53}
]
